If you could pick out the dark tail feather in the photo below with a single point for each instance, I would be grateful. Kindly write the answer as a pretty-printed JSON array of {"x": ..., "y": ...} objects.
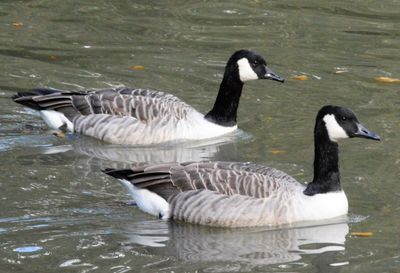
[
  {"x": 139, "y": 178},
  {"x": 49, "y": 99},
  {"x": 158, "y": 182},
  {"x": 119, "y": 174},
  {"x": 35, "y": 92},
  {"x": 25, "y": 98}
]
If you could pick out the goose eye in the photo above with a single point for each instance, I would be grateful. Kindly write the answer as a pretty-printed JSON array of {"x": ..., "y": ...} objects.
[
  {"x": 255, "y": 62},
  {"x": 344, "y": 118}
]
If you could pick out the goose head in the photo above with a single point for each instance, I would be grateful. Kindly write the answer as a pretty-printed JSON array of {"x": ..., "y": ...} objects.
[
  {"x": 332, "y": 124},
  {"x": 340, "y": 123},
  {"x": 247, "y": 66}
]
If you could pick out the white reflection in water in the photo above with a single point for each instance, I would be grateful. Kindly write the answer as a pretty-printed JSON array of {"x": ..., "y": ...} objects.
[
  {"x": 170, "y": 152},
  {"x": 252, "y": 246},
  {"x": 152, "y": 233}
]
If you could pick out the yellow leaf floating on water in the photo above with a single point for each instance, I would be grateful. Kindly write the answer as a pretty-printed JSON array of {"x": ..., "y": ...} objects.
[
  {"x": 53, "y": 58},
  {"x": 362, "y": 234},
  {"x": 278, "y": 152},
  {"x": 18, "y": 24},
  {"x": 300, "y": 77},
  {"x": 137, "y": 67},
  {"x": 387, "y": 80}
]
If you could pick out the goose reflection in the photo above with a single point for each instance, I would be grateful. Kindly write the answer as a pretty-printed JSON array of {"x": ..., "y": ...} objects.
[
  {"x": 225, "y": 147},
  {"x": 250, "y": 246}
]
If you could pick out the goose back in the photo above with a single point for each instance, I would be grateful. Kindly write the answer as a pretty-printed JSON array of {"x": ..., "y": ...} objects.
[{"x": 124, "y": 116}]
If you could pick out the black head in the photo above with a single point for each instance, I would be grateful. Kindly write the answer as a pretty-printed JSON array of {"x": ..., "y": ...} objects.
[
  {"x": 248, "y": 66},
  {"x": 341, "y": 123}
]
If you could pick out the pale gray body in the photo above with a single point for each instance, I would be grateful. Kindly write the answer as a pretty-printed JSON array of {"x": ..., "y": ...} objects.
[
  {"x": 124, "y": 116},
  {"x": 231, "y": 194}
]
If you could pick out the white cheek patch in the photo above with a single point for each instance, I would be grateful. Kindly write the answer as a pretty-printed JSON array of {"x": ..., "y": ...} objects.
[
  {"x": 246, "y": 73},
  {"x": 335, "y": 131}
]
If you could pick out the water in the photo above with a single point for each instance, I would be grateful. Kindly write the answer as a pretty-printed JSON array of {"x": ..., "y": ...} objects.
[{"x": 60, "y": 213}]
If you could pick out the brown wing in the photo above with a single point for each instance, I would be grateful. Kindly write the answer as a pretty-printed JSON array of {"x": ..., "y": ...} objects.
[
  {"x": 227, "y": 178},
  {"x": 143, "y": 104},
  {"x": 230, "y": 178}
]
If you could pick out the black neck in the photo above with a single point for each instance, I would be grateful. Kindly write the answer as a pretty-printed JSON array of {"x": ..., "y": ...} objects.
[
  {"x": 326, "y": 163},
  {"x": 225, "y": 107}
]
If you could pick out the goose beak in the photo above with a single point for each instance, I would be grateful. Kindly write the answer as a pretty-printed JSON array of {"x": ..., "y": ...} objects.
[
  {"x": 271, "y": 75},
  {"x": 365, "y": 133}
]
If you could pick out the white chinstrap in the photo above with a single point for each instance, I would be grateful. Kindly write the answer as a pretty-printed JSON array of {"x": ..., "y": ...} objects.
[
  {"x": 246, "y": 73},
  {"x": 335, "y": 131}
]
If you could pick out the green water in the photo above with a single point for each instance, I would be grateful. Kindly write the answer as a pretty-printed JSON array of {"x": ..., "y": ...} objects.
[{"x": 59, "y": 213}]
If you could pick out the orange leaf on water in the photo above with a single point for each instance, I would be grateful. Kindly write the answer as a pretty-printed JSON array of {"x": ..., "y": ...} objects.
[
  {"x": 137, "y": 67},
  {"x": 53, "y": 58},
  {"x": 362, "y": 234},
  {"x": 387, "y": 80},
  {"x": 300, "y": 77}
]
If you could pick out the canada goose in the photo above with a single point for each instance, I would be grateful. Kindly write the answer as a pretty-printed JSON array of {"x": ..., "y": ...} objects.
[
  {"x": 143, "y": 116},
  {"x": 243, "y": 194}
]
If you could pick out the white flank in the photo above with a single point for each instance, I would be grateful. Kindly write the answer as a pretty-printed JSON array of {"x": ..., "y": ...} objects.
[
  {"x": 127, "y": 130},
  {"x": 246, "y": 73},
  {"x": 335, "y": 131},
  {"x": 322, "y": 206},
  {"x": 55, "y": 120},
  {"x": 148, "y": 201},
  {"x": 196, "y": 127}
]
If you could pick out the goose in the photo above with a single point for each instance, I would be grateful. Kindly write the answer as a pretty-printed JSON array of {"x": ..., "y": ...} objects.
[
  {"x": 143, "y": 116},
  {"x": 234, "y": 194}
]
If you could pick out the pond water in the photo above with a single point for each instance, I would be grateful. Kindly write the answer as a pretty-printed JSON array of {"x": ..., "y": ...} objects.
[{"x": 60, "y": 213}]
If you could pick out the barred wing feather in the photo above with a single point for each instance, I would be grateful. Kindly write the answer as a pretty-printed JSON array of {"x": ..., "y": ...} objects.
[
  {"x": 120, "y": 116},
  {"x": 227, "y": 178}
]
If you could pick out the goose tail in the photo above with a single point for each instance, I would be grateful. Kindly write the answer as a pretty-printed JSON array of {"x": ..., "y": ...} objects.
[
  {"x": 27, "y": 98},
  {"x": 55, "y": 106},
  {"x": 119, "y": 174},
  {"x": 147, "y": 200}
]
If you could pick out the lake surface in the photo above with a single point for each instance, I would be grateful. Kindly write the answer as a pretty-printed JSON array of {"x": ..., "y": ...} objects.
[{"x": 59, "y": 213}]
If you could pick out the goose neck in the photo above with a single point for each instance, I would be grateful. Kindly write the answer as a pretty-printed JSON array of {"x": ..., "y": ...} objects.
[
  {"x": 226, "y": 104},
  {"x": 326, "y": 165}
]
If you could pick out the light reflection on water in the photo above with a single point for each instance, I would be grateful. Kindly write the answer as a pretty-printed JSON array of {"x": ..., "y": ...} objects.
[
  {"x": 245, "y": 248},
  {"x": 171, "y": 152},
  {"x": 252, "y": 247}
]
